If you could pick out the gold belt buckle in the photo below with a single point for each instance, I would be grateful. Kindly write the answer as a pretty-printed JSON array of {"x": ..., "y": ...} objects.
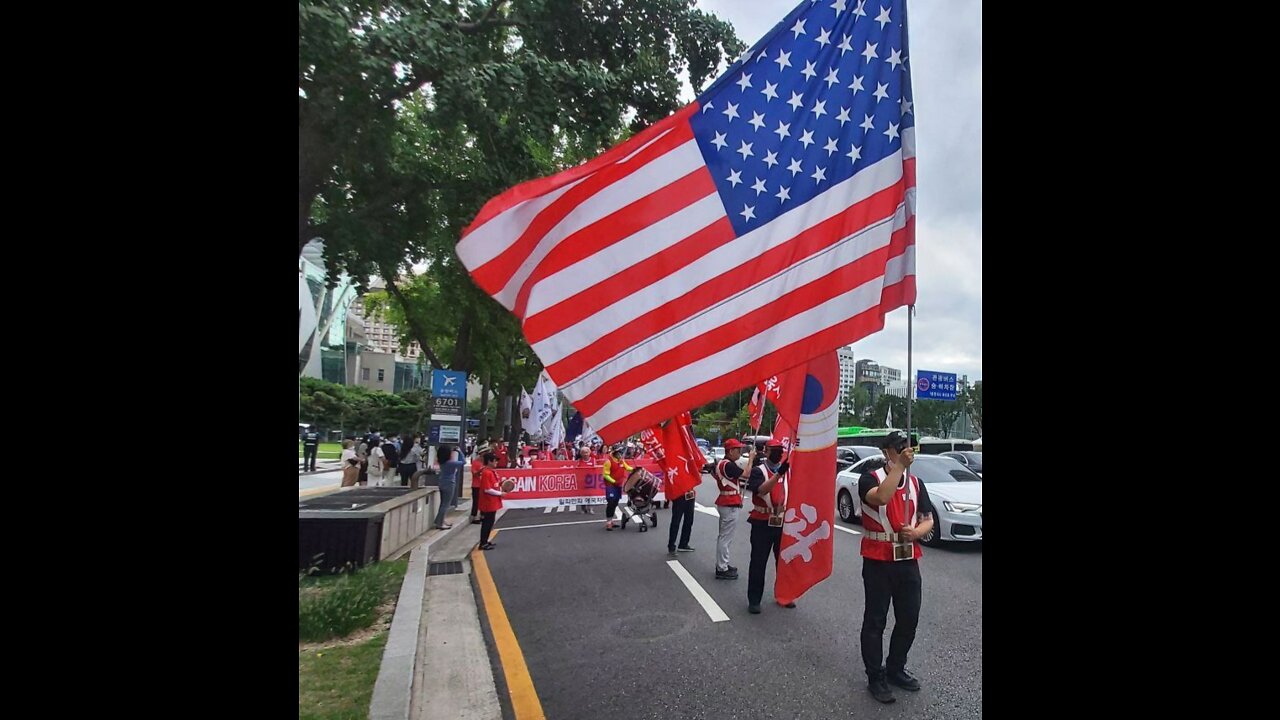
[{"x": 775, "y": 521}]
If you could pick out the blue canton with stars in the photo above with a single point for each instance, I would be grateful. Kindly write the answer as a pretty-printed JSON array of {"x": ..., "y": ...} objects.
[{"x": 826, "y": 93}]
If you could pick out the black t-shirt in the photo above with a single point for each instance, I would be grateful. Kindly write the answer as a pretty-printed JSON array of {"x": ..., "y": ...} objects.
[
  {"x": 731, "y": 469},
  {"x": 311, "y": 439},
  {"x": 868, "y": 482}
]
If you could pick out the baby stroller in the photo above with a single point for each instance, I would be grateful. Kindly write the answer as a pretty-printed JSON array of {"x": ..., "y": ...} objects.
[{"x": 641, "y": 487}]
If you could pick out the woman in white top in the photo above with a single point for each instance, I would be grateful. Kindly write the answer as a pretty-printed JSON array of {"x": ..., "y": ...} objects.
[
  {"x": 350, "y": 464},
  {"x": 377, "y": 464}
]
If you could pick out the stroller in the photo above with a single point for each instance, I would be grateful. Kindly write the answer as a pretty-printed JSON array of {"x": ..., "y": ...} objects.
[{"x": 641, "y": 487}]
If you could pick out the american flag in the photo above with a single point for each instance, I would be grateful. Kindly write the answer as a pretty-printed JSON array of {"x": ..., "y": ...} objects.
[{"x": 768, "y": 222}]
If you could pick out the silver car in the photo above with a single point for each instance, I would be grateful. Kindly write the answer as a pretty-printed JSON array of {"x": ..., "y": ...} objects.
[{"x": 956, "y": 494}]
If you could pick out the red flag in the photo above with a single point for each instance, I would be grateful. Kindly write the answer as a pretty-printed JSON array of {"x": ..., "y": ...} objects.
[
  {"x": 765, "y": 391},
  {"x": 651, "y": 441},
  {"x": 805, "y": 558},
  {"x": 682, "y": 459},
  {"x": 787, "y": 390}
]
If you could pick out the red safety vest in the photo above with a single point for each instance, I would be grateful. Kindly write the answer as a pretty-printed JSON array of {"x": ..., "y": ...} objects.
[
  {"x": 760, "y": 509},
  {"x": 730, "y": 490},
  {"x": 899, "y": 513}
]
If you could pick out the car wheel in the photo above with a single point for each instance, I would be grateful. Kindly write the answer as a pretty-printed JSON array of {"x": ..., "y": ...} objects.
[
  {"x": 844, "y": 503},
  {"x": 934, "y": 537}
]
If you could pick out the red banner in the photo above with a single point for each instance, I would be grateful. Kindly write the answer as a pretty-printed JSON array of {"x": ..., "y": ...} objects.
[
  {"x": 557, "y": 483},
  {"x": 805, "y": 557}
]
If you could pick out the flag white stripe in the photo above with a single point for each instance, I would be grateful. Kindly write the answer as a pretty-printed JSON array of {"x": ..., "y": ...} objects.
[
  {"x": 744, "y": 353},
  {"x": 502, "y": 230},
  {"x": 634, "y": 249},
  {"x": 753, "y": 244},
  {"x": 908, "y": 143},
  {"x": 654, "y": 175},
  {"x": 842, "y": 254},
  {"x": 901, "y": 266},
  {"x": 498, "y": 233}
]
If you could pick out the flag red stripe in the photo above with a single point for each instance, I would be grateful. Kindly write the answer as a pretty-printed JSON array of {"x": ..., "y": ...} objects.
[
  {"x": 494, "y": 275},
  {"x": 618, "y": 226},
  {"x": 541, "y": 186},
  {"x": 837, "y": 282},
  {"x": 609, "y": 290},
  {"x": 827, "y": 339},
  {"x": 772, "y": 262}
]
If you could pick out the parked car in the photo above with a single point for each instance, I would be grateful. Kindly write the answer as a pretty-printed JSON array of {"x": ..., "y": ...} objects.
[
  {"x": 718, "y": 452},
  {"x": 956, "y": 493},
  {"x": 970, "y": 459}
]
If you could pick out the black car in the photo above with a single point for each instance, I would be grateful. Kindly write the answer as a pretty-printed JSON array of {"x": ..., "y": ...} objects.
[{"x": 971, "y": 459}]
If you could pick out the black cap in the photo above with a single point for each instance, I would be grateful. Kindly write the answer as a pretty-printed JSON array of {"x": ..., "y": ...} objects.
[{"x": 897, "y": 440}]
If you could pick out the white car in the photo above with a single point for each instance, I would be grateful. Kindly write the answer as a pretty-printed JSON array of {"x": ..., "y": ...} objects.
[
  {"x": 955, "y": 491},
  {"x": 718, "y": 452}
]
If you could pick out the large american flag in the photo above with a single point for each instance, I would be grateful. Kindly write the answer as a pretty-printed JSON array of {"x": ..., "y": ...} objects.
[{"x": 768, "y": 222}]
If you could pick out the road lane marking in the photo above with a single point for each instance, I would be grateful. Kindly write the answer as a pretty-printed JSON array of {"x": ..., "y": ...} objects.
[
  {"x": 713, "y": 610},
  {"x": 575, "y": 522},
  {"x": 525, "y": 704},
  {"x": 845, "y": 529}
]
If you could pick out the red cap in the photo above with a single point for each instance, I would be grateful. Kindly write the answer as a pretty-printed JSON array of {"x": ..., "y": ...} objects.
[
  {"x": 773, "y": 442},
  {"x": 732, "y": 444}
]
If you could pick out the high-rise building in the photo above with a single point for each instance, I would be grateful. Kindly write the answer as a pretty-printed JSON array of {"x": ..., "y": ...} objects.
[
  {"x": 847, "y": 370},
  {"x": 384, "y": 337}
]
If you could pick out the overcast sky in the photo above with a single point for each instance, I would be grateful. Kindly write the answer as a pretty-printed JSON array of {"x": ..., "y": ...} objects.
[{"x": 946, "y": 77}]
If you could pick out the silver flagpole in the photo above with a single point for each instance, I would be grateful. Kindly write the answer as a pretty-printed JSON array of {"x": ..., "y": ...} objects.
[{"x": 911, "y": 390}]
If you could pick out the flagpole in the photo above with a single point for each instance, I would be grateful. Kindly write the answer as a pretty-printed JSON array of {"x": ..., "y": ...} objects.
[{"x": 911, "y": 390}]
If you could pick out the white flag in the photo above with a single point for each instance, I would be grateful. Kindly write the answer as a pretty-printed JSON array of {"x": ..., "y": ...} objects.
[
  {"x": 888, "y": 418},
  {"x": 542, "y": 406},
  {"x": 526, "y": 404}
]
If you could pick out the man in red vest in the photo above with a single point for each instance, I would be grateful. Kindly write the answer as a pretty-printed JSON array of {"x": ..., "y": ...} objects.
[
  {"x": 728, "y": 475},
  {"x": 896, "y": 512},
  {"x": 768, "y": 487}
]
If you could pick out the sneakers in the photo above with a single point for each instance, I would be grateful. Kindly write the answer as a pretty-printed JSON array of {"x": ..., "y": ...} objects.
[
  {"x": 791, "y": 604},
  {"x": 730, "y": 574},
  {"x": 684, "y": 549},
  {"x": 903, "y": 679},
  {"x": 475, "y": 521},
  {"x": 487, "y": 546},
  {"x": 608, "y": 525},
  {"x": 753, "y": 609},
  {"x": 671, "y": 553},
  {"x": 880, "y": 689},
  {"x": 446, "y": 526},
  {"x": 733, "y": 569}
]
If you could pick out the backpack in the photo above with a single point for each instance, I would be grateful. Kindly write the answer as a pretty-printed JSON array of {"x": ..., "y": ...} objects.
[{"x": 393, "y": 455}]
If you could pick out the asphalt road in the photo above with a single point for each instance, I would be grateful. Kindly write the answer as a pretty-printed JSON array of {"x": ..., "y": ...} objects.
[{"x": 608, "y": 629}]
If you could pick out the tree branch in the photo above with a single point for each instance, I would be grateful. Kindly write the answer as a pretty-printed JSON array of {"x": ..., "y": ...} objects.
[
  {"x": 487, "y": 20},
  {"x": 414, "y": 326}
]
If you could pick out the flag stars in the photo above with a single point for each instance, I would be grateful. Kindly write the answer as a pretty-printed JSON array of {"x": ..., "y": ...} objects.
[
  {"x": 824, "y": 38},
  {"x": 757, "y": 120},
  {"x": 869, "y": 52},
  {"x": 799, "y": 28},
  {"x": 854, "y": 154},
  {"x": 719, "y": 140},
  {"x": 856, "y": 85},
  {"x": 838, "y": 6},
  {"x": 735, "y": 178},
  {"x": 771, "y": 159},
  {"x": 809, "y": 70},
  {"x": 833, "y": 77},
  {"x": 844, "y": 45},
  {"x": 783, "y": 60},
  {"x": 745, "y": 150},
  {"x": 770, "y": 90},
  {"x": 796, "y": 101},
  {"x": 843, "y": 117},
  {"x": 794, "y": 167},
  {"x": 830, "y": 147},
  {"x": 806, "y": 139},
  {"x": 895, "y": 58},
  {"x": 819, "y": 108},
  {"x": 731, "y": 111},
  {"x": 744, "y": 82},
  {"x": 867, "y": 123},
  {"x": 758, "y": 187},
  {"x": 748, "y": 212},
  {"x": 883, "y": 17},
  {"x": 905, "y": 105},
  {"x": 784, "y": 194},
  {"x": 859, "y": 11},
  {"x": 819, "y": 174},
  {"x": 892, "y": 132},
  {"x": 784, "y": 130},
  {"x": 882, "y": 91}
]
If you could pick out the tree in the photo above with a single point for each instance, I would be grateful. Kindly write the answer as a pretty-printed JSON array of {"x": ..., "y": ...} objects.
[{"x": 411, "y": 115}]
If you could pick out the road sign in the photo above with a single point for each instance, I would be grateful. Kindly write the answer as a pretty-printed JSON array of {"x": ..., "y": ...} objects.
[
  {"x": 932, "y": 385},
  {"x": 448, "y": 406}
]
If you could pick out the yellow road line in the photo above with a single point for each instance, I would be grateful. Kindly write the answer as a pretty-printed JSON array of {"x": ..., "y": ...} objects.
[
  {"x": 524, "y": 698},
  {"x": 317, "y": 491}
]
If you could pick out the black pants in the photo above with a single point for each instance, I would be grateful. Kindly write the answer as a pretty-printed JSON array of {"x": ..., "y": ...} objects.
[
  {"x": 898, "y": 582},
  {"x": 486, "y": 526},
  {"x": 475, "y": 502},
  {"x": 309, "y": 456},
  {"x": 764, "y": 540},
  {"x": 406, "y": 472},
  {"x": 681, "y": 510}
]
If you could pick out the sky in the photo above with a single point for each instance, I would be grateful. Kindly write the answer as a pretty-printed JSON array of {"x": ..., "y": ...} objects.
[{"x": 946, "y": 76}]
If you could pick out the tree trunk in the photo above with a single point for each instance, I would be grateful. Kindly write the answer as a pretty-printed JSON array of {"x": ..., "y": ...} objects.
[
  {"x": 462, "y": 348},
  {"x": 414, "y": 326},
  {"x": 484, "y": 404}
]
